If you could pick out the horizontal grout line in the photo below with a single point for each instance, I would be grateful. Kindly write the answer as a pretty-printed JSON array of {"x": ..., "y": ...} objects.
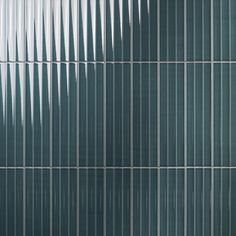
[
  {"x": 121, "y": 62},
  {"x": 118, "y": 167}
]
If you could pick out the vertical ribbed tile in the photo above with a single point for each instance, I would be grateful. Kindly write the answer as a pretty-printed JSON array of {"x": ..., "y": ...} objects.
[
  {"x": 13, "y": 204},
  {"x": 64, "y": 202},
  {"x": 3, "y": 92},
  {"x": 29, "y": 221},
  {"x": 10, "y": 113},
  {"x": 221, "y": 30},
  {"x": 64, "y": 30},
  {"x": 145, "y": 114},
  {"x": 64, "y": 118},
  {"x": 3, "y": 30},
  {"x": 198, "y": 114},
  {"x": 20, "y": 30},
  {"x": 3, "y": 202},
  {"x": 110, "y": 30},
  {"x": 171, "y": 30},
  {"x": 55, "y": 106},
  {"x": 11, "y": 29},
  {"x": 221, "y": 202},
  {"x": 82, "y": 37},
  {"x": 32, "y": 114},
  {"x": 72, "y": 116},
  {"x": 172, "y": 205},
  {"x": 19, "y": 114},
  {"x": 117, "y": 202},
  {"x": 63, "y": 99},
  {"x": 198, "y": 30},
  {"x": 171, "y": 114},
  {"x": 232, "y": 26},
  {"x": 31, "y": 53},
  {"x": 144, "y": 30},
  {"x": 232, "y": 114},
  {"x": 198, "y": 202},
  {"x": 45, "y": 202},
  {"x": 224, "y": 27},
  {"x": 83, "y": 115},
  {"x": 47, "y": 30},
  {"x": 57, "y": 32},
  {"x": 232, "y": 203},
  {"x": 45, "y": 94},
  {"x": 118, "y": 114},
  {"x": 73, "y": 30},
  {"x": 145, "y": 217},
  {"x": 90, "y": 202},
  {"x": 91, "y": 30},
  {"x": 126, "y": 29},
  {"x": 90, "y": 92},
  {"x": 37, "y": 115},
  {"x": 118, "y": 31},
  {"x": 38, "y": 29},
  {"x": 221, "y": 115}
]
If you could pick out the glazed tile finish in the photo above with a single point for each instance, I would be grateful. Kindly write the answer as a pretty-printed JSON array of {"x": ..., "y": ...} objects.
[{"x": 117, "y": 117}]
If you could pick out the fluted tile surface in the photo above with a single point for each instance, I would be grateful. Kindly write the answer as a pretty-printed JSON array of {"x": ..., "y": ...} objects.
[{"x": 117, "y": 117}]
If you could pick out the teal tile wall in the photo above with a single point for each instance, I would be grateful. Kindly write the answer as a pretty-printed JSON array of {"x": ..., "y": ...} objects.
[{"x": 117, "y": 117}]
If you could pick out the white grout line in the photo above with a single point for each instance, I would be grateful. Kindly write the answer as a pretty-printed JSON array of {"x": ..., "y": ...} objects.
[
  {"x": 77, "y": 151},
  {"x": 104, "y": 127},
  {"x": 125, "y": 61},
  {"x": 24, "y": 146},
  {"x": 230, "y": 124},
  {"x": 33, "y": 155},
  {"x": 185, "y": 150},
  {"x": 95, "y": 122},
  {"x": 194, "y": 119},
  {"x": 68, "y": 143},
  {"x": 167, "y": 126},
  {"x": 212, "y": 122},
  {"x": 6, "y": 122},
  {"x": 77, "y": 122},
  {"x": 203, "y": 125},
  {"x": 158, "y": 122},
  {"x": 86, "y": 202},
  {"x": 115, "y": 167},
  {"x": 176, "y": 121},
  {"x": 50, "y": 173},
  {"x": 221, "y": 121},
  {"x": 131, "y": 122},
  {"x": 203, "y": 150},
  {"x": 122, "y": 203}
]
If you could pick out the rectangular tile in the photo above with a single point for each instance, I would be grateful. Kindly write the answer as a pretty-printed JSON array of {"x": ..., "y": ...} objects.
[
  {"x": 91, "y": 202},
  {"x": 171, "y": 197},
  {"x": 144, "y": 30},
  {"x": 118, "y": 85},
  {"x": 118, "y": 30},
  {"x": 171, "y": 114},
  {"x": 144, "y": 202},
  {"x": 199, "y": 114},
  {"x": 198, "y": 34},
  {"x": 91, "y": 94},
  {"x": 171, "y": 30},
  {"x": 144, "y": 90}
]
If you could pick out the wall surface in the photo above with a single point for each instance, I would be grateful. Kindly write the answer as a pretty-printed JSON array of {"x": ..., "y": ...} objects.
[{"x": 117, "y": 117}]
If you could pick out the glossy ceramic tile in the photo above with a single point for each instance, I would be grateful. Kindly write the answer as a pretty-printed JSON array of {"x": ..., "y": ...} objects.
[
  {"x": 92, "y": 202},
  {"x": 172, "y": 30},
  {"x": 117, "y": 114},
  {"x": 117, "y": 117}
]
